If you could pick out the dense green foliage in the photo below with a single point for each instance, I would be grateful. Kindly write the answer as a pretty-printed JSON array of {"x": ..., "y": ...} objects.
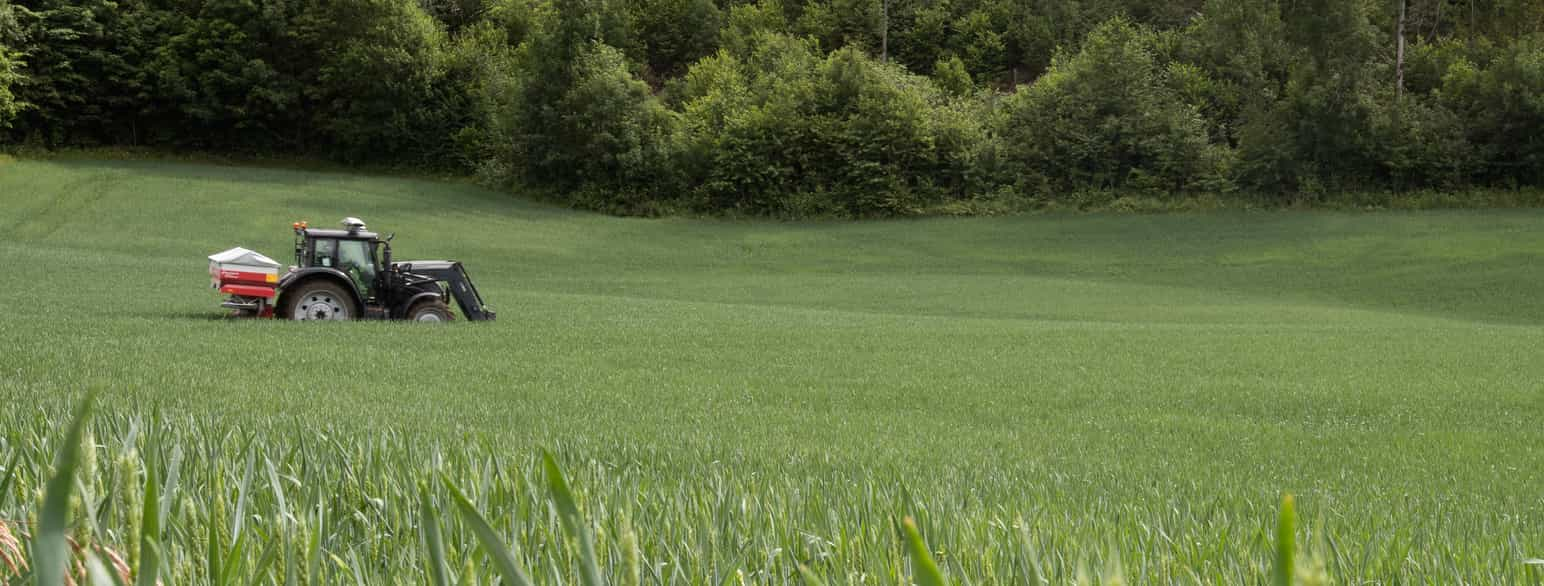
[
  {"x": 9, "y": 64},
  {"x": 807, "y": 107},
  {"x": 1099, "y": 391},
  {"x": 1108, "y": 118},
  {"x": 781, "y": 129}
]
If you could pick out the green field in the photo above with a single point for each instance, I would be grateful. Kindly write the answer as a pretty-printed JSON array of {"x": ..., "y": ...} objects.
[{"x": 1119, "y": 394}]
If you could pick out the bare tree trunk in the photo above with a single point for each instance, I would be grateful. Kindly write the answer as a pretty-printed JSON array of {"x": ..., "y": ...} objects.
[{"x": 1399, "y": 54}]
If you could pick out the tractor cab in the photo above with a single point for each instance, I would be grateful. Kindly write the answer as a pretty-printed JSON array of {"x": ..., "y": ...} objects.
[{"x": 355, "y": 252}]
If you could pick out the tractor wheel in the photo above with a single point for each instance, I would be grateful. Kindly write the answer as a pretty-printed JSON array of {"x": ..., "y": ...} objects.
[
  {"x": 318, "y": 300},
  {"x": 431, "y": 311}
]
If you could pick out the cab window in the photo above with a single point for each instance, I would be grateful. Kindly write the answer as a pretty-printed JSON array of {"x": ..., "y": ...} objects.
[
  {"x": 324, "y": 253},
  {"x": 355, "y": 259}
]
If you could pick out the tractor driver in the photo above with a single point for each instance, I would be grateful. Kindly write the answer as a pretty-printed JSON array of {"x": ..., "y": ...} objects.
[{"x": 355, "y": 260}]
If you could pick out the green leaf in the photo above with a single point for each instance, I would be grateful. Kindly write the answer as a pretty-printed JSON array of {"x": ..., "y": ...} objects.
[
  {"x": 291, "y": 563},
  {"x": 216, "y": 577},
  {"x": 281, "y": 509},
  {"x": 359, "y": 570},
  {"x": 233, "y": 560},
  {"x": 468, "y": 574},
  {"x": 264, "y": 560},
  {"x": 314, "y": 558},
  {"x": 149, "y": 563},
  {"x": 1030, "y": 556},
  {"x": 241, "y": 496},
  {"x": 923, "y": 569},
  {"x": 438, "y": 570},
  {"x": 5, "y": 482},
  {"x": 97, "y": 572},
  {"x": 562, "y": 498},
  {"x": 810, "y": 579},
  {"x": 169, "y": 491},
  {"x": 50, "y": 548},
  {"x": 150, "y": 521},
  {"x": 503, "y": 560},
  {"x": 573, "y": 522},
  {"x": 1286, "y": 543}
]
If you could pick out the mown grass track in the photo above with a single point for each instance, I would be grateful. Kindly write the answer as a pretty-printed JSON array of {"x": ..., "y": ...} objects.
[{"x": 743, "y": 397}]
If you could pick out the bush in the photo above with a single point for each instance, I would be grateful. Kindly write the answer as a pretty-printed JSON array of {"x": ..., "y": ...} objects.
[
  {"x": 8, "y": 105},
  {"x": 1234, "y": 58},
  {"x": 10, "y": 64},
  {"x": 479, "y": 62},
  {"x": 1323, "y": 135},
  {"x": 1427, "y": 62},
  {"x": 517, "y": 20},
  {"x": 1106, "y": 118},
  {"x": 1320, "y": 135},
  {"x": 1502, "y": 104},
  {"x": 672, "y": 34},
  {"x": 785, "y": 132},
  {"x": 456, "y": 15},
  {"x": 951, "y": 76},
  {"x": 564, "y": 111},
  {"x": 1422, "y": 144},
  {"x": 228, "y": 70},
  {"x": 621, "y": 141},
  {"x": 998, "y": 41},
  {"x": 378, "y": 90},
  {"x": 82, "y": 71},
  {"x": 841, "y": 23},
  {"x": 747, "y": 22}
]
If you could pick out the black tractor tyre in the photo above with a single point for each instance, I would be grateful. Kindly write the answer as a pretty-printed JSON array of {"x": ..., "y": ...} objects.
[
  {"x": 430, "y": 311},
  {"x": 318, "y": 301}
]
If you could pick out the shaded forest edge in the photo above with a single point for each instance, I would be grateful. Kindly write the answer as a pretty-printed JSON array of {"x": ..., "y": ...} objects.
[{"x": 830, "y": 108}]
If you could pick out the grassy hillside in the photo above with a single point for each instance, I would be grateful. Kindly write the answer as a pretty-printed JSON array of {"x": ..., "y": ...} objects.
[{"x": 752, "y": 396}]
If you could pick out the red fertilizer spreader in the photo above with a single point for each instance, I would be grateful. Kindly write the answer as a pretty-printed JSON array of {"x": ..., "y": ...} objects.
[{"x": 251, "y": 280}]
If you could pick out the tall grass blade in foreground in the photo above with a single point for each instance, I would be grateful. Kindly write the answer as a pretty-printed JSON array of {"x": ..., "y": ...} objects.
[
  {"x": 577, "y": 527},
  {"x": 924, "y": 571},
  {"x": 810, "y": 579},
  {"x": 150, "y": 515},
  {"x": 149, "y": 563},
  {"x": 633, "y": 563},
  {"x": 97, "y": 573},
  {"x": 314, "y": 557},
  {"x": 1286, "y": 543},
  {"x": 438, "y": 570},
  {"x": 214, "y": 571},
  {"x": 1028, "y": 554},
  {"x": 10, "y": 475},
  {"x": 50, "y": 547},
  {"x": 503, "y": 560}
]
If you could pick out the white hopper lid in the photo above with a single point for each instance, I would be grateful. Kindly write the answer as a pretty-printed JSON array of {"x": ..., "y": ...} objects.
[{"x": 242, "y": 256}]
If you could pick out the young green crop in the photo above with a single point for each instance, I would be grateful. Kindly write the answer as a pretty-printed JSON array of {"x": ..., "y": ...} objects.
[
  {"x": 52, "y": 556},
  {"x": 1045, "y": 396}
]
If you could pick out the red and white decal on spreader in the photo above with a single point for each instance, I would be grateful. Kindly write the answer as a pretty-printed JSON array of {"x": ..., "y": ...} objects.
[
  {"x": 246, "y": 277},
  {"x": 266, "y": 292}
]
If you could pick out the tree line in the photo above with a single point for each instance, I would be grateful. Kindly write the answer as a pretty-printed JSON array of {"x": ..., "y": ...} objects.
[{"x": 808, "y": 107}]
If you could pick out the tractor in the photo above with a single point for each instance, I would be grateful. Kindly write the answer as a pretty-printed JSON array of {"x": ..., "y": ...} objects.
[{"x": 342, "y": 275}]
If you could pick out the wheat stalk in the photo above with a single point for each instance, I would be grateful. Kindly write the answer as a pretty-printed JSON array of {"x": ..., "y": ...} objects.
[
  {"x": 13, "y": 563},
  {"x": 10, "y": 551}
]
